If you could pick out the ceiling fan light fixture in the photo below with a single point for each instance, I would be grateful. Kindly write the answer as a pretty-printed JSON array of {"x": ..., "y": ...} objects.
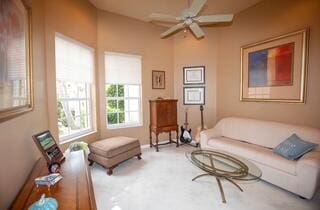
[{"x": 189, "y": 19}]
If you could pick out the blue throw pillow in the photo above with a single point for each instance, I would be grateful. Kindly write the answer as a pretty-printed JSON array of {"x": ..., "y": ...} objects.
[{"x": 293, "y": 148}]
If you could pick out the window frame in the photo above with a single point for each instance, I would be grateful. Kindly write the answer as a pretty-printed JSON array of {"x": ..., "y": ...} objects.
[
  {"x": 89, "y": 92},
  {"x": 124, "y": 98}
]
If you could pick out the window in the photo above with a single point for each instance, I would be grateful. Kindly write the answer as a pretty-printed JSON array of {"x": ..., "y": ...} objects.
[
  {"x": 123, "y": 90},
  {"x": 74, "y": 73}
]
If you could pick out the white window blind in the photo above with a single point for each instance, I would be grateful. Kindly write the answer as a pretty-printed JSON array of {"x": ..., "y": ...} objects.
[
  {"x": 74, "y": 61},
  {"x": 122, "y": 68},
  {"x": 16, "y": 59}
]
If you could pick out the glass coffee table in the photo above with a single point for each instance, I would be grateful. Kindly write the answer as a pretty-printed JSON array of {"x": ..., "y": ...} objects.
[{"x": 223, "y": 165}]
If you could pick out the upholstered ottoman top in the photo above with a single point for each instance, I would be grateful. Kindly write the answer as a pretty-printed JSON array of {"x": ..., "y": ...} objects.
[{"x": 114, "y": 146}]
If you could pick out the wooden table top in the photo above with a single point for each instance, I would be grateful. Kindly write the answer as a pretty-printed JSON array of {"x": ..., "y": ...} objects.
[{"x": 74, "y": 191}]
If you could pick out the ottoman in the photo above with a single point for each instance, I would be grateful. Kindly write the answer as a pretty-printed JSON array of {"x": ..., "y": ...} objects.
[{"x": 112, "y": 151}]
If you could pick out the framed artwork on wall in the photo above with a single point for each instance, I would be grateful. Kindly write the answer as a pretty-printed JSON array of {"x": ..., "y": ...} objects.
[
  {"x": 158, "y": 79},
  {"x": 194, "y": 95},
  {"x": 16, "y": 95},
  {"x": 194, "y": 75},
  {"x": 275, "y": 69}
]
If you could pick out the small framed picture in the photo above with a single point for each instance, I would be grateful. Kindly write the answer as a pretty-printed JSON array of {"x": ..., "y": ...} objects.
[
  {"x": 158, "y": 79},
  {"x": 194, "y": 75},
  {"x": 194, "y": 95},
  {"x": 48, "y": 147}
]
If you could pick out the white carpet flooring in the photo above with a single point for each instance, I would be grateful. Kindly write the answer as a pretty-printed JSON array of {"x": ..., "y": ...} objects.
[{"x": 162, "y": 181}]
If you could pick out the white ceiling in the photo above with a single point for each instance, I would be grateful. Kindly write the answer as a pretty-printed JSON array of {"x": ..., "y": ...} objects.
[{"x": 140, "y": 9}]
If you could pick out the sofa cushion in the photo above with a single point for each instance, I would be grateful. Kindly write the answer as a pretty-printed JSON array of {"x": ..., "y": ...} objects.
[
  {"x": 293, "y": 148},
  {"x": 253, "y": 153},
  {"x": 113, "y": 146},
  {"x": 264, "y": 133}
]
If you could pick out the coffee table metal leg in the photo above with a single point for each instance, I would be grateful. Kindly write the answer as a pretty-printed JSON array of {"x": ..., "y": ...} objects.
[
  {"x": 201, "y": 175},
  {"x": 221, "y": 190}
]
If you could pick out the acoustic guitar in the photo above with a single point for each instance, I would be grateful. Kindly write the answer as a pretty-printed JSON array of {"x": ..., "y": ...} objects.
[
  {"x": 200, "y": 128},
  {"x": 185, "y": 136}
]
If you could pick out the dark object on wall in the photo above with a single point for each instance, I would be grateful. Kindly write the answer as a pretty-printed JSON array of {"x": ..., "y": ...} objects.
[
  {"x": 194, "y": 75},
  {"x": 163, "y": 118},
  {"x": 158, "y": 79},
  {"x": 194, "y": 95}
]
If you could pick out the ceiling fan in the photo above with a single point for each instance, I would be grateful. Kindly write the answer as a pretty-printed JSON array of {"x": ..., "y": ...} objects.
[{"x": 190, "y": 19}]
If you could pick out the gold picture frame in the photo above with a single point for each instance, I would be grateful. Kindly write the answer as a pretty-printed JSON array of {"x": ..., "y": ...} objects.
[
  {"x": 275, "y": 70},
  {"x": 16, "y": 91}
]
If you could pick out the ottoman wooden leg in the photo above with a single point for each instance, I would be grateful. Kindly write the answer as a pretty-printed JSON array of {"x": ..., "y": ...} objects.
[
  {"x": 139, "y": 156},
  {"x": 90, "y": 162},
  {"x": 110, "y": 171}
]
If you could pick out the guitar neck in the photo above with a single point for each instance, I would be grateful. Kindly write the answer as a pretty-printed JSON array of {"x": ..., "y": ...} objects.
[
  {"x": 201, "y": 109},
  {"x": 186, "y": 120}
]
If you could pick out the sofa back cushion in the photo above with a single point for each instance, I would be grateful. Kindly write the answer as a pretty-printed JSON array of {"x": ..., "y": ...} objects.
[{"x": 264, "y": 133}]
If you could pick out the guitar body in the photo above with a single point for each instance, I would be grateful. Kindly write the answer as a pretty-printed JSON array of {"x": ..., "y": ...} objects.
[{"x": 185, "y": 136}]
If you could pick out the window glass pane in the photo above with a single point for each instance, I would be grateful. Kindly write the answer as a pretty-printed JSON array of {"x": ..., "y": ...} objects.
[
  {"x": 134, "y": 105},
  {"x": 73, "y": 108},
  {"x": 112, "y": 118},
  {"x": 134, "y": 90},
  {"x": 82, "y": 91},
  {"x": 134, "y": 117},
  {"x": 111, "y": 90},
  {"x": 62, "y": 120},
  {"x": 121, "y": 118},
  {"x": 126, "y": 91},
  {"x": 121, "y": 90},
  {"x": 112, "y": 106},
  {"x": 121, "y": 105}
]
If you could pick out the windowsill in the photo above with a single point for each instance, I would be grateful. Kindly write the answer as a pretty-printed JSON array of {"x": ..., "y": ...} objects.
[
  {"x": 113, "y": 127},
  {"x": 77, "y": 137}
]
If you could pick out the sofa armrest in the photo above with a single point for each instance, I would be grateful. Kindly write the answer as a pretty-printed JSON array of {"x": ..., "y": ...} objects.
[
  {"x": 208, "y": 134},
  {"x": 308, "y": 172}
]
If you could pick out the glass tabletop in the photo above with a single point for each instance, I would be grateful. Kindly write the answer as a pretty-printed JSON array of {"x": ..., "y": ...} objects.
[{"x": 223, "y": 164}]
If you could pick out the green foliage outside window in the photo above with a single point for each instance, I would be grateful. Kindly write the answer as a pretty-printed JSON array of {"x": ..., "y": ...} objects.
[
  {"x": 62, "y": 119},
  {"x": 115, "y": 104}
]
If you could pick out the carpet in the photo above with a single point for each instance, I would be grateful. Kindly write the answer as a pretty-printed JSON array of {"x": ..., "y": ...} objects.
[{"x": 162, "y": 180}]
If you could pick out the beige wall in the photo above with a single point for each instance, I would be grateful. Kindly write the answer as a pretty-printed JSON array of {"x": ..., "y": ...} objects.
[
  {"x": 125, "y": 35},
  {"x": 76, "y": 19},
  {"x": 268, "y": 19},
  {"x": 18, "y": 153},
  {"x": 189, "y": 51}
]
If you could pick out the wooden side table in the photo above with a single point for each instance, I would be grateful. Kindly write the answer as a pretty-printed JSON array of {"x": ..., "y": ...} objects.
[{"x": 163, "y": 118}]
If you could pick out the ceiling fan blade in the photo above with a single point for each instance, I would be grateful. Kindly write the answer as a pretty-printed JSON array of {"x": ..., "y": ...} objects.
[
  {"x": 164, "y": 18},
  {"x": 214, "y": 18},
  {"x": 196, "y": 6},
  {"x": 195, "y": 28},
  {"x": 172, "y": 30}
]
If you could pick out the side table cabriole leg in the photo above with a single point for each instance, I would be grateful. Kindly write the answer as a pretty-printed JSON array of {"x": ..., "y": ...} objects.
[
  {"x": 150, "y": 137},
  {"x": 177, "y": 131},
  {"x": 157, "y": 141}
]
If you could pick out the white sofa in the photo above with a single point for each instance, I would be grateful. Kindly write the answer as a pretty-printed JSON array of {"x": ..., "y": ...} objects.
[{"x": 255, "y": 139}]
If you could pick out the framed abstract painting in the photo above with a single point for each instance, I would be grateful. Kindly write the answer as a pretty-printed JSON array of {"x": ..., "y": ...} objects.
[
  {"x": 275, "y": 69},
  {"x": 15, "y": 59}
]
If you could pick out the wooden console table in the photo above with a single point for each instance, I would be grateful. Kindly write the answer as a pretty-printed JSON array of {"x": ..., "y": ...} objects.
[
  {"x": 74, "y": 191},
  {"x": 163, "y": 118}
]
